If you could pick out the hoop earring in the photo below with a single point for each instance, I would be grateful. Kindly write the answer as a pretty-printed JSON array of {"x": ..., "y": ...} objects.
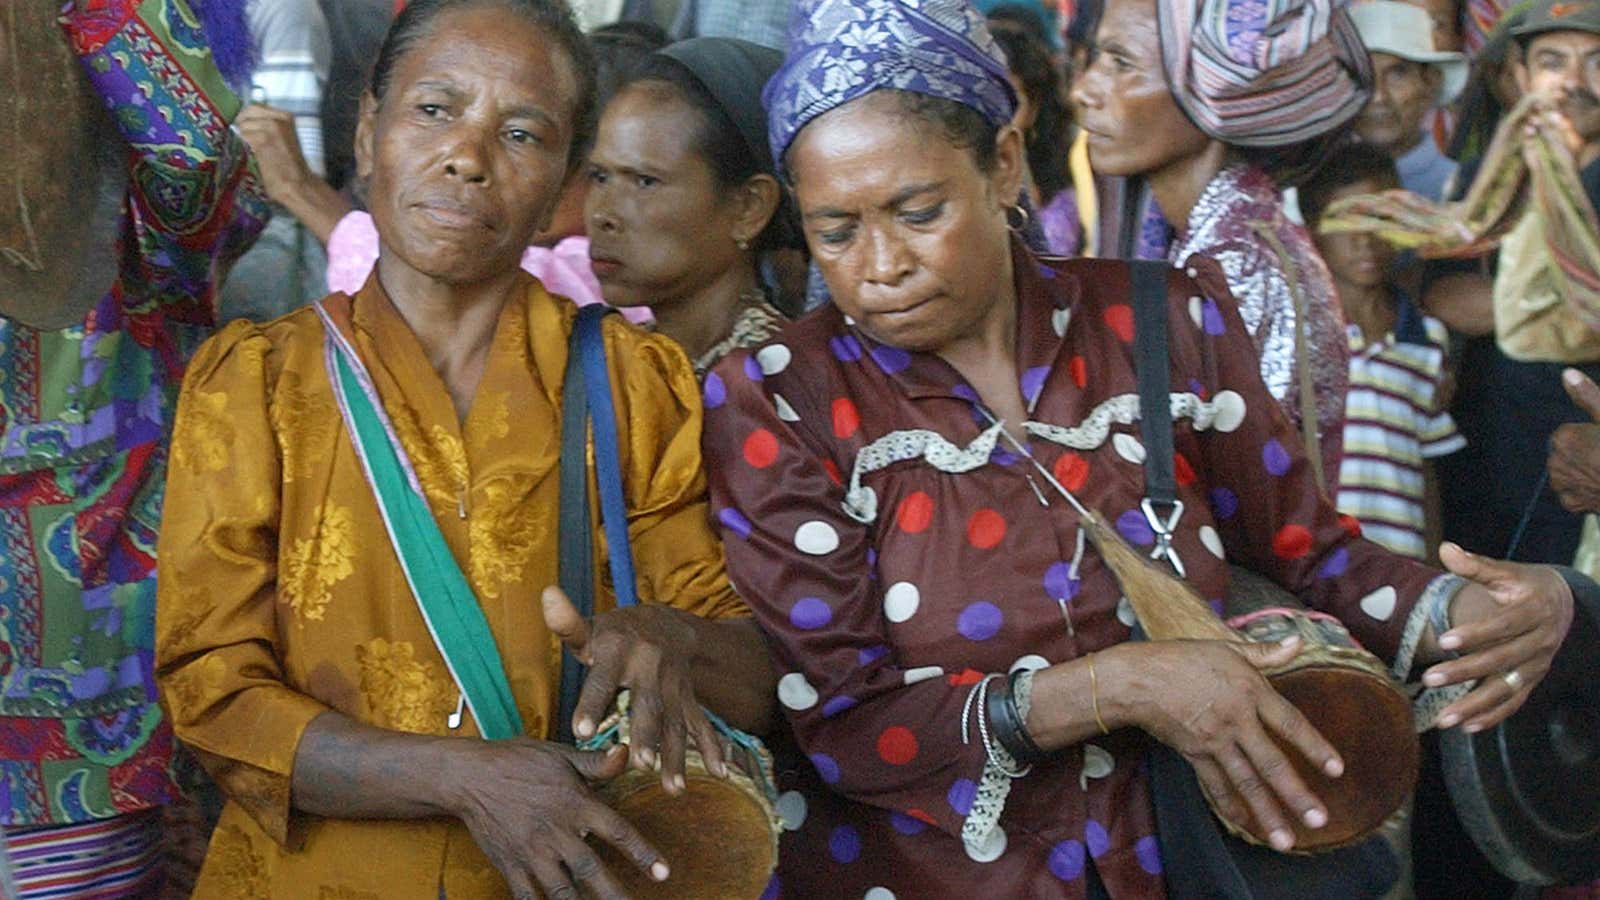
[
  {"x": 742, "y": 243},
  {"x": 1018, "y": 218}
]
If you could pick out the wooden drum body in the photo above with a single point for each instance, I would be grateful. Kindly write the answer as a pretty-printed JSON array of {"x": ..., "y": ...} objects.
[{"x": 720, "y": 835}]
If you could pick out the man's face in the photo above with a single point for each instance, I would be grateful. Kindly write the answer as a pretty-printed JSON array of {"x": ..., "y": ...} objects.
[
  {"x": 1403, "y": 93},
  {"x": 1566, "y": 64}
]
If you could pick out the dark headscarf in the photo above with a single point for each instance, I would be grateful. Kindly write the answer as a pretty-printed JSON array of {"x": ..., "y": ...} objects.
[{"x": 732, "y": 72}]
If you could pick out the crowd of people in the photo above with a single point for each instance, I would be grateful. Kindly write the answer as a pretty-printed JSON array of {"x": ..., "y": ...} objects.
[{"x": 297, "y": 299}]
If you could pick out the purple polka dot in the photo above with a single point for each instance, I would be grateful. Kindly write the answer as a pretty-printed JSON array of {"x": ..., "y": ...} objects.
[
  {"x": 869, "y": 655},
  {"x": 1211, "y": 317},
  {"x": 715, "y": 392},
  {"x": 734, "y": 521},
  {"x": 1224, "y": 503},
  {"x": 1216, "y": 605},
  {"x": 872, "y": 559},
  {"x": 810, "y": 613},
  {"x": 966, "y": 392},
  {"x": 1059, "y": 583},
  {"x": 844, "y": 844},
  {"x": 1133, "y": 526},
  {"x": 979, "y": 621},
  {"x": 1335, "y": 564},
  {"x": 1196, "y": 388},
  {"x": 774, "y": 891},
  {"x": 891, "y": 359},
  {"x": 1275, "y": 458},
  {"x": 1046, "y": 272},
  {"x": 752, "y": 369},
  {"x": 845, "y": 348},
  {"x": 1148, "y": 850},
  {"x": 826, "y": 767},
  {"x": 1033, "y": 382},
  {"x": 961, "y": 795},
  {"x": 837, "y": 705},
  {"x": 907, "y": 825},
  {"x": 1066, "y": 860},
  {"x": 1000, "y": 456},
  {"x": 1094, "y": 835}
]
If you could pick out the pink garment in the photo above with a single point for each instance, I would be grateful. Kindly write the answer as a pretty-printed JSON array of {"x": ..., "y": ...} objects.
[{"x": 564, "y": 268}]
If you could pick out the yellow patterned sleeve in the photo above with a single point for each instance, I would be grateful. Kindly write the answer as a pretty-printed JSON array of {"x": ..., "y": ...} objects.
[
  {"x": 677, "y": 555},
  {"x": 217, "y": 654}
]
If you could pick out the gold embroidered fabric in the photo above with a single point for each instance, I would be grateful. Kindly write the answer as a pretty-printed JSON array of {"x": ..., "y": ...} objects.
[{"x": 280, "y": 596}]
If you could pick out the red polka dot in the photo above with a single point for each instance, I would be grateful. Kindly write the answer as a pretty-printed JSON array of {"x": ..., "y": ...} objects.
[
  {"x": 965, "y": 676},
  {"x": 1120, "y": 319},
  {"x": 761, "y": 448},
  {"x": 1292, "y": 542},
  {"x": 1079, "y": 368},
  {"x": 832, "y": 469},
  {"x": 986, "y": 529},
  {"x": 897, "y": 745},
  {"x": 1072, "y": 471},
  {"x": 845, "y": 418},
  {"x": 915, "y": 513},
  {"x": 1181, "y": 469},
  {"x": 921, "y": 816},
  {"x": 1349, "y": 524}
]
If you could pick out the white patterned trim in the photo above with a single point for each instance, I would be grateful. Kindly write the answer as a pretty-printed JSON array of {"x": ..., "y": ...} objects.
[{"x": 933, "y": 448}]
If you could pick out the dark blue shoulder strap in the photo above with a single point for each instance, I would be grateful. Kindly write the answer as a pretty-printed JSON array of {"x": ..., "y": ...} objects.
[{"x": 607, "y": 455}]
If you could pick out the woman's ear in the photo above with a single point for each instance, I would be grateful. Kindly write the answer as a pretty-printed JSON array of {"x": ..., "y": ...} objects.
[
  {"x": 366, "y": 134},
  {"x": 1010, "y": 165},
  {"x": 758, "y": 199}
]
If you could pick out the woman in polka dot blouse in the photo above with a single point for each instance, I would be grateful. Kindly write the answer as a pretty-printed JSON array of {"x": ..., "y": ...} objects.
[{"x": 904, "y": 559}]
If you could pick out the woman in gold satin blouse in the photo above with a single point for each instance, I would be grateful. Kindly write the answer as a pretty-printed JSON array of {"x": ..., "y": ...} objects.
[{"x": 291, "y": 652}]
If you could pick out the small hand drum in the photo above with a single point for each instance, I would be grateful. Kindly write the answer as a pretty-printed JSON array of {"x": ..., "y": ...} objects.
[{"x": 720, "y": 836}]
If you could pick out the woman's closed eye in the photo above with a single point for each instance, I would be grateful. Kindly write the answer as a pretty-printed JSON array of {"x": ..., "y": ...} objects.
[
  {"x": 924, "y": 215},
  {"x": 834, "y": 237}
]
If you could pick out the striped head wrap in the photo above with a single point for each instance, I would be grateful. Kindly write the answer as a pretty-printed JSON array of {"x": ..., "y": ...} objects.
[
  {"x": 1264, "y": 73},
  {"x": 840, "y": 50}
]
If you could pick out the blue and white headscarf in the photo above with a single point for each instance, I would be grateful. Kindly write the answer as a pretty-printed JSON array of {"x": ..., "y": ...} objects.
[{"x": 840, "y": 50}]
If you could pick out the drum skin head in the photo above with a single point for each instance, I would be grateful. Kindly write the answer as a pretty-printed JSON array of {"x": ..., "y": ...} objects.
[
  {"x": 716, "y": 836},
  {"x": 1528, "y": 790}
]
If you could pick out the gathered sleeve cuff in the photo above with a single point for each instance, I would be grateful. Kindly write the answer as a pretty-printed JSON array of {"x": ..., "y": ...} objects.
[
  {"x": 876, "y": 731},
  {"x": 217, "y": 650}
]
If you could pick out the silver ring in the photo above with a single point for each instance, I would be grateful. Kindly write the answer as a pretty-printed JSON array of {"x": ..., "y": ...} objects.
[{"x": 1513, "y": 680}]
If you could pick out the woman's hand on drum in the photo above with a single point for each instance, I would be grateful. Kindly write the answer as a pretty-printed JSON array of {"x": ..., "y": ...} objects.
[
  {"x": 650, "y": 650},
  {"x": 1507, "y": 625},
  {"x": 529, "y": 809},
  {"x": 1209, "y": 701}
]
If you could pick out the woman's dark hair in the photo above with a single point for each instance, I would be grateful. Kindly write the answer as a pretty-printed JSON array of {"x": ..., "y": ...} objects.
[
  {"x": 553, "y": 17},
  {"x": 1289, "y": 166},
  {"x": 618, "y": 50},
  {"x": 1048, "y": 138},
  {"x": 722, "y": 145},
  {"x": 1354, "y": 164}
]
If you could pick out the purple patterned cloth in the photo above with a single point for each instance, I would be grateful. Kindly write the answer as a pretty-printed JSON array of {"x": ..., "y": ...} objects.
[{"x": 840, "y": 50}]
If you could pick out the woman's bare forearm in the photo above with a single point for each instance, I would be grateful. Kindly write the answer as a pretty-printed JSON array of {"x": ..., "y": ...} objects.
[{"x": 344, "y": 769}]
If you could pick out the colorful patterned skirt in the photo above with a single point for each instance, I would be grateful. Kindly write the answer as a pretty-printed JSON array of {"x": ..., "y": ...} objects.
[{"x": 108, "y": 858}]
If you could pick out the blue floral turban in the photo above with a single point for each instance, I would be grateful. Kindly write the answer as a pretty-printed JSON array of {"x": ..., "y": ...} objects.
[{"x": 840, "y": 50}]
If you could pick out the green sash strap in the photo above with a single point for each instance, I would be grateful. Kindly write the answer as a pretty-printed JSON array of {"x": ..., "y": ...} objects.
[{"x": 451, "y": 610}]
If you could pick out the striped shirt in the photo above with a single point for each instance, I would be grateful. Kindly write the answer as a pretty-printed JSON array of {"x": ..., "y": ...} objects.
[{"x": 1394, "y": 422}]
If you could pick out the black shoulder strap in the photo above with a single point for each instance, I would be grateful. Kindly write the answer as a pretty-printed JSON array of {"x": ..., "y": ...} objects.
[
  {"x": 1153, "y": 367},
  {"x": 575, "y": 532}
]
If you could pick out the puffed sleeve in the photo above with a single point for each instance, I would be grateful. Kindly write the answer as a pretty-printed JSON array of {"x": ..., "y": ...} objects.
[
  {"x": 678, "y": 557},
  {"x": 1272, "y": 514},
  {"x": 217, "y": 651},
  {"x": 195, "y": 203},
  {"x": 876, "y": 732}
]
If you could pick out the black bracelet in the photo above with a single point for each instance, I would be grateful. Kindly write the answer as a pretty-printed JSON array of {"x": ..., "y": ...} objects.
[{"x": 1006, "y": 723}]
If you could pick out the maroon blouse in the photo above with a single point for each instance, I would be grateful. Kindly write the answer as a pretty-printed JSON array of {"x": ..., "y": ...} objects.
[{"x": 895, "y": 553}]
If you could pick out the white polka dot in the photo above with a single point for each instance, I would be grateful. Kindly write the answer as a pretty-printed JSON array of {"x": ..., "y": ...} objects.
[
  {"x": 1125, "y": 613},
  {"x": 879, "y": 893},
  {"x": 1230, "y": 411},
  {"x": 923, "y": 674},
  {"x": 785, "y": 411},
  {"x": 795, "y": 692},
  {"x": 1380, "y": 603},
  {"x": 1033, "y": 662},
  {"x": 993, "y": 845},
  {"x": 816, "y": 538},
  {"x": 849, "y": 320},
  {"x": 792, "y": 810},
  {"x": 1059, "y": 320},
  {"x": 773, "y": 359},
  {"x": 900, "y": 602},
  {"x": 1129, "y": 448},
  {"x": 1097, "y": 762},
  {"x": 1197, "y": 311},
  {"x": 1212, "y": 541},
  {"x": 1192, "y": 272}
]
